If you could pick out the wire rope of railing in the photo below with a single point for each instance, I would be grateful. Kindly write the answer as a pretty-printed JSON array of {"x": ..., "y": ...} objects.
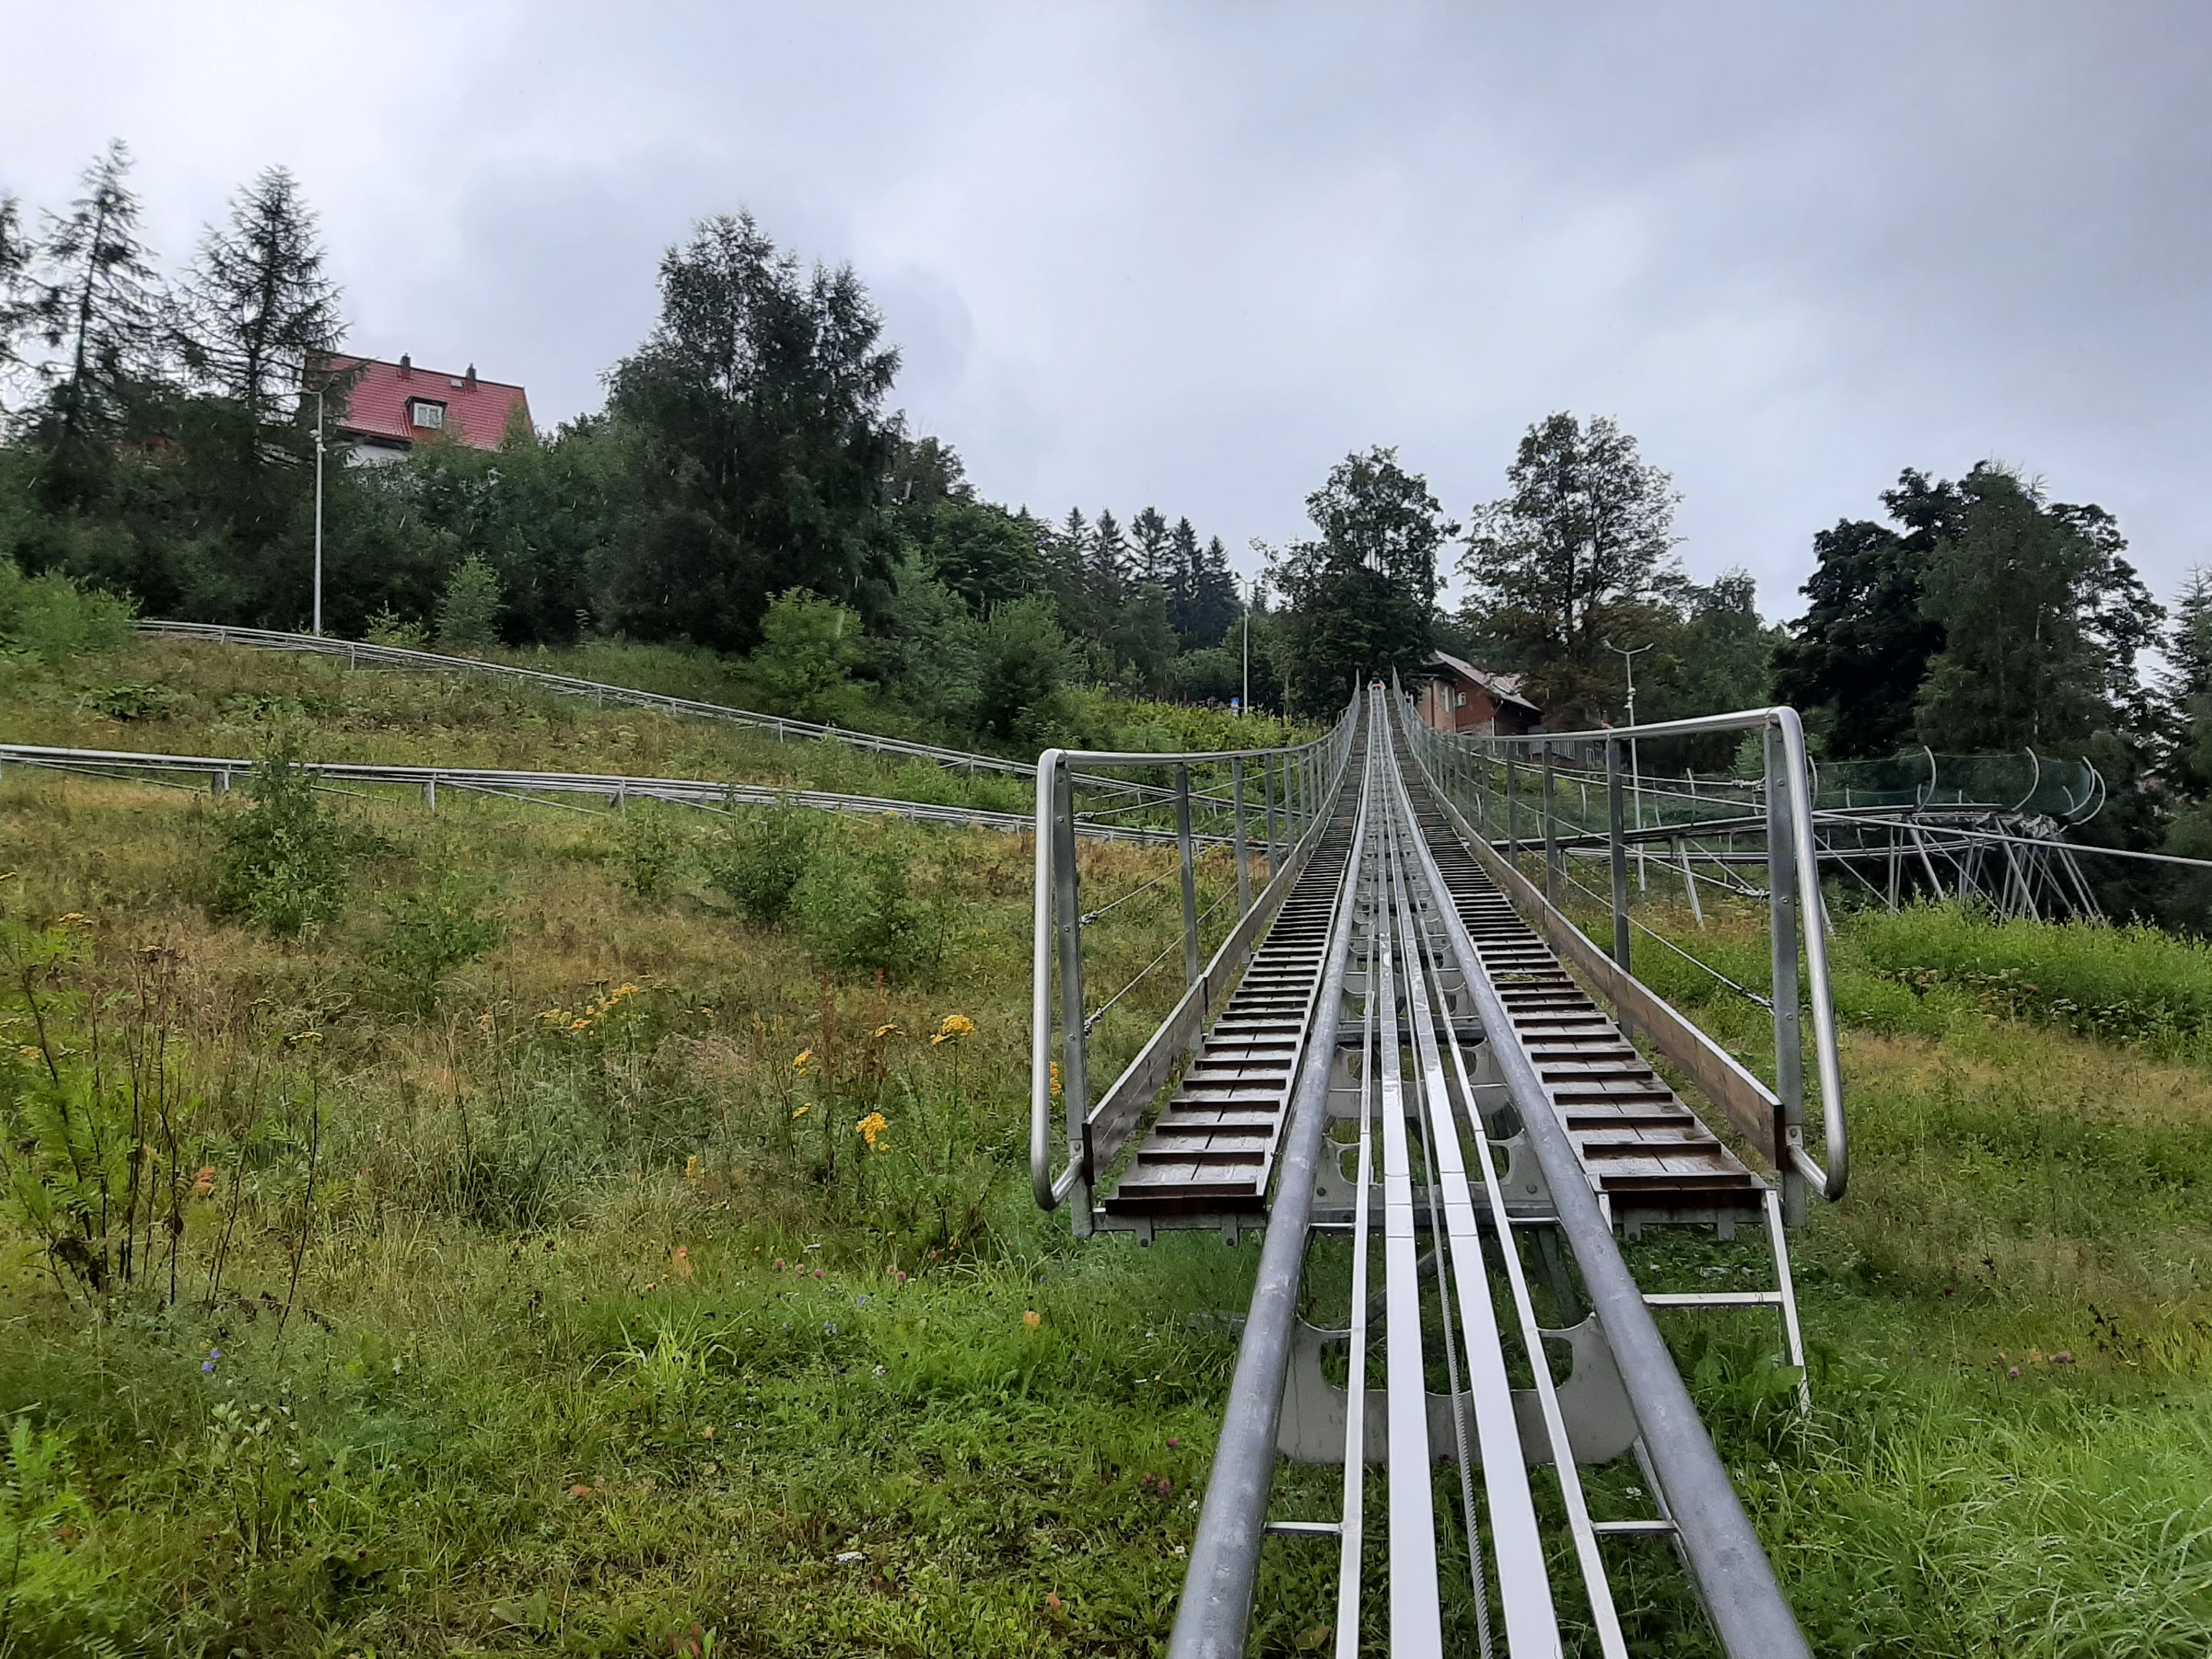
[
  {"x": 1650, "y": 932},
  {"x": 1105, "y": 910},
  {"x": 1091, "y": 1020}
]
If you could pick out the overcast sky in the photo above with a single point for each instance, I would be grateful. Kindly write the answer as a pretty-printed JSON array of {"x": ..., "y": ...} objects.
[{"x": 1190, "y": 255}]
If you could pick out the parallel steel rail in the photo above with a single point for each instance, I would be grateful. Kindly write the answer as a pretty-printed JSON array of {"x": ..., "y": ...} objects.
[
  {"x": 360, "y": 654},
  {"x": 616, "y": 789},
  {"x": 357, "y": 654},
  {"x": 1469, "y": 1058}
]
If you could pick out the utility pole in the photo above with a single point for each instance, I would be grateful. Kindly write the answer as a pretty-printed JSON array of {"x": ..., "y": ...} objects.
[
  {"x": 1635, "y": 770},
  {"x": 318, "y": 512},
  {"x": 1245, "y": 705}
]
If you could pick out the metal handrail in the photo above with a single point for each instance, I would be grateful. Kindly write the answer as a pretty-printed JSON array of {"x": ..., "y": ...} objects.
[
  {"x": 1794, "y": 799},
  {"x": 1318, "y": 766},
  {"x": 705, "y": 793}
]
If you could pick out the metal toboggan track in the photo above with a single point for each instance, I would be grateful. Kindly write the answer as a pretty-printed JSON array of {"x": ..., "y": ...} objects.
[{"x": 1461, "y": 1045}]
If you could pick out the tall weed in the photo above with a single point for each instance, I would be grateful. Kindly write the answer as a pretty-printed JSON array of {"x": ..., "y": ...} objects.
[
  {"x": 757, "y": 861},
  {"x": 53, "y": 617},
  {"x": 429, "y": 933},
  {"x": 856, "y": 911},
  {"x": 2132, "y": 984},
  {"x": 653, "y": 851},
  {"x": 280, "y": 862},
  {"x": 59, "y": 1595}
]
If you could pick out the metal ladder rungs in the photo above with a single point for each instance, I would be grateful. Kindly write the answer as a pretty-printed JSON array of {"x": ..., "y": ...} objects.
[
  {"x": 1633, "y": 1528},
  {"x": 1305, "y": 1529}
]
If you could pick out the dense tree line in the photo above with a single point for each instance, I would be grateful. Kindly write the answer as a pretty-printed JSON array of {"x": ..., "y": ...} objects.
[{"x": 747, "y": 487}]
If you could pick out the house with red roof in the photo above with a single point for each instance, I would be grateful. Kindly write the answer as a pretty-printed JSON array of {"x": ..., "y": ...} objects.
[
  {"x": 394, "y": 406},
  {"x": 1457, "y": 697}
]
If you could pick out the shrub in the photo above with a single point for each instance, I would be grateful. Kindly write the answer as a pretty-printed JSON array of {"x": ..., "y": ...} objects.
[
  {"x": 51, "y": 616},
  {"x": 431, "y": 933},
  {"x": 758, "y": 860},
  {"x": 468, "y": 611},
  {"x": 854, "y": 909},
  {"x": 652, "y": 850},
  {"x": 282, "y": 861},
  {"x": 388, "y": 626},
  {"x": 809, "y": 646},
  {"x": 129, "y": 700}
]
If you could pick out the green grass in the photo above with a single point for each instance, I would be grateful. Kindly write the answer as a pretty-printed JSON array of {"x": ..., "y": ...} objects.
[{"x": 539, "y": 1263}]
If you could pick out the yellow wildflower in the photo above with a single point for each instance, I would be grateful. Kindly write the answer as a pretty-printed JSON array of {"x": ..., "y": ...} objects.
[
  {"x": 1055, "y": 1079},
  {"x": 805, "y": 1058},
  {"x": 681, "y": 1261},
  {"x": 28, "y": 1050},
  {"x": 1032, "y": 1320},
  {"x": 882, "y": 1031},
  {"x": 580, "y": 1025},
  {"x": 693, "y": 1169},
  {"x": 955, "y": 1025},
  {"x": 74, "y": 919},
  {"x": 870, "y": 1126},
  {"x": 801, "y": 1112}
]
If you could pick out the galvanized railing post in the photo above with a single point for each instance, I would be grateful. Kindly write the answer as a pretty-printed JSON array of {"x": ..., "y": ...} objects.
[
  {"x": 1616, "y": 821},
  {"x": 1074, "y": 1074},
  {"x": 1512, "y": 810},
  {"x": 1243, "y": 848},
  {"x": 1789, "y": 1036},
  {"x": 1267, "y": 807},
  {"x": 1189, "y": 876},
  {"x": 1551, "y": 832}
]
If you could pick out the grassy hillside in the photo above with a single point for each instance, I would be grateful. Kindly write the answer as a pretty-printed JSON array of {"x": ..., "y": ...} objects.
[
  {"x": 515, "y": 1272},
  {"x": 176, "y": 698}
]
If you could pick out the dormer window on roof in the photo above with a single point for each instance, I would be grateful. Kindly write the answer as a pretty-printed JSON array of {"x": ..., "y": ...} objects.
[{"x": 391, "y": 407}]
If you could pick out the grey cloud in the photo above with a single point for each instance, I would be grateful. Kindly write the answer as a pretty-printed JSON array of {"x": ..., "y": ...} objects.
[{"x": 1190, "y": 256}]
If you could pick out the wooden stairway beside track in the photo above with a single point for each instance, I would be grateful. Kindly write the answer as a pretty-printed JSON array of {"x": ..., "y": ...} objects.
[
  {"x": 1211, "y": 1150},
  {"x": 1646, "y": 1152}
]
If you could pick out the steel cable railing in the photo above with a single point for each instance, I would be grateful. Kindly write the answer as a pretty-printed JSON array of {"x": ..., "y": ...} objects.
[
  {"x": 1458, "y": 767},
  {"x": 1267, "y": 806}
]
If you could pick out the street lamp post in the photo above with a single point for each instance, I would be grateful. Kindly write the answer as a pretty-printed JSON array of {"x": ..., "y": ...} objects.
[
  {"x": 318, "y": 512},
  {"x": 1635, "y": 770},
  {"x": 1245, "y": 705}
]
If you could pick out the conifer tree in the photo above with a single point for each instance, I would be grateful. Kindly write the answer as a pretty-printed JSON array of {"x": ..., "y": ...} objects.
[
  {"x": 1363, "y": 590},
  {"x": 2042, "y": 620},
  {"x": 258, "y": 312},
  {"x": 1183, "y": 558},
  {"x": 1108, "y": 562},
  {"x": 1150, "y": 555},
  {"x": 761, "y": 440},
  {"x": 1585, "y": 533},
  {"x": 18, "y": 306},
  {"x": 99, "y": 311},
  {"x": 2186, "y": 689},
  {"x": 1214, "y": 603}
]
